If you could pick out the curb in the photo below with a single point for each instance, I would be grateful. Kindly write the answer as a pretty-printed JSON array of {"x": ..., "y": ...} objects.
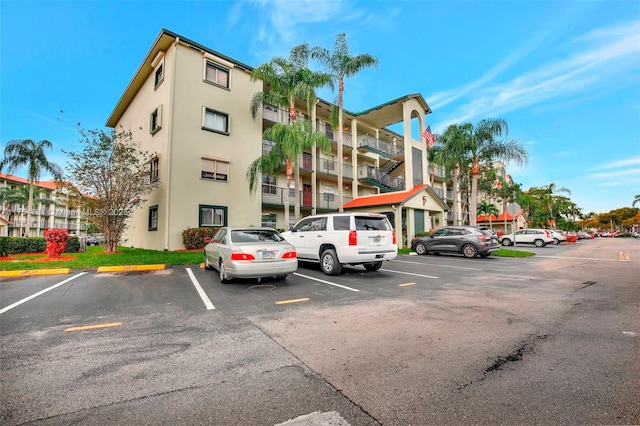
[
  {"x": 130, "y": 268},
  {"x": 35, "y": 272}
]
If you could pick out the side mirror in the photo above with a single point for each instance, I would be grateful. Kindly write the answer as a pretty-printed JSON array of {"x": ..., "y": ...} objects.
[
  {"x": 291, "y": 229},
  {"x": 207, "y": 240},
  {"x": 430, "y": 235}
]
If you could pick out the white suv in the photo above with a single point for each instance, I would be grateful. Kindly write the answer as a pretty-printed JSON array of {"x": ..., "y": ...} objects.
[
  {"x": 537, "y": 237},
  {"x": 339, "y": 239}
]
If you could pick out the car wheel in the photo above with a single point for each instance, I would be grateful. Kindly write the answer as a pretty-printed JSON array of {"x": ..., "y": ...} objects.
[
  {"x": 329, "y": 262},
  {"x": 539, "y": 243},
  {"x": 222, "y": 272},
  {"x": 469, "y": 250},
  {"x": 207, "y": 265},
  {"x": 556, "y": 241},
  {"x": 421, "y": 248},
  {"x": 281, "y": 277},
  {"x": 373, "y": 266},
  {"x": 506, "y": 242}
]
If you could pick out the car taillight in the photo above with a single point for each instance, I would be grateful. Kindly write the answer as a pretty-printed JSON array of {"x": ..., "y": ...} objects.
[
  {"x": 290, "y": 255},
  {"x": 484, "y": 238},
  {"x": 242, "y": 256},
  {"x": 353, "y": 238},
  {"x": 394, "y": 236}
]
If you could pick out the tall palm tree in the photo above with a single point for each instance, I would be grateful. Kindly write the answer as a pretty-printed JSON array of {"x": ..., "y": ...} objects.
[
  {"x": 549, "y": 200},
  {"x": 485, "y": 143},
  {"x": 288, "y": 80},
  {"x": 27, "y": 153},
  {"x": 340, "y": 64},
  {"x": 489, "y": 210},
  {"x": 636, "y": 200},
  {"x": 450, "y": 154},
  {"x": 289, "y": 143}
]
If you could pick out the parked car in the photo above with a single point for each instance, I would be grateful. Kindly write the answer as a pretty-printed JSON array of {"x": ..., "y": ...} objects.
[
  {"x": 250, "y": 253},
  {"x": 585, "y": 235},
  {"x": 338, "y": 239},
  {"x": 92, "y": 241},
  {"x": 470, "y": 241},
  {"x": 537, "y": 237},
  {"x": 558, "y": 236}
]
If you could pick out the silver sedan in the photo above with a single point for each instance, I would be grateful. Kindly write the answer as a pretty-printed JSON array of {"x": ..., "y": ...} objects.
[{"x": 250, "y": 253}]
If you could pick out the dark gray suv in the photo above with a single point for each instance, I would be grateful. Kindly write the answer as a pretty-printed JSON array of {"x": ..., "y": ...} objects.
[{"x": 469, "y": 241}]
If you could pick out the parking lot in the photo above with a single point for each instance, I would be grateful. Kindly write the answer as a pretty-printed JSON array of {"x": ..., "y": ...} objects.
[{"x": 426, "y": 340}]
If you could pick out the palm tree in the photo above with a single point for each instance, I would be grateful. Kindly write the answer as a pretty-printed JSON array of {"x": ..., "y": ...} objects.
[
  {"x": 482, "y": 145},
  {"x": 26, "y": 152},
  {"x": 489, "y": 210},
  {"x": 550, "y": 200},
  {"x": 449, "y": 154},
  {"x": 20, "y": 196},
  {"x": 289, "y": 143},
  {"x": 636, "y": 200},
  {"x": 288, "y": 80},
  {"x": 340, "y": 64}
]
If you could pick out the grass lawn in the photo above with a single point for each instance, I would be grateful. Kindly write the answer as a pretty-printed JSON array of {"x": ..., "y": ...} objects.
[{"x": 95, "y": 257}]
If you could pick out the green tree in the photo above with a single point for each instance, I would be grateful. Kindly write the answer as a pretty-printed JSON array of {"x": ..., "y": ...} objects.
[
  {"x": 111, "y": 177},
  {"x": 341, "y": 64},
  {"x": 30, "y": 154},
  {"x": 488, "y": 209},
  {"x": 288, "y": 80},
  {"x": 289, "y": 143},
  {"x": 636, "y": 200},
  {"x": 486, "y": 142},
  {"x": 449, "y": 152}
]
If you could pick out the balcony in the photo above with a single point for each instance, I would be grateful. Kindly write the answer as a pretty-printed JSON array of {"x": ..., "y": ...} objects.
[
  {"x": 275, "y": 196},
  {"x": 381, "y": 179},
  {"x": 380, "y": 147},
  {"x": 330, "y": 167},
  {"x": 326, "y": 201}
]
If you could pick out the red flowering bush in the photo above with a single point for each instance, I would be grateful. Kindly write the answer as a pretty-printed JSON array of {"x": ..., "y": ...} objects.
[{"x": 56, "y": 242}]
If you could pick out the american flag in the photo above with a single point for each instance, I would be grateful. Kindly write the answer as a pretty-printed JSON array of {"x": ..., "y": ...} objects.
[{"x": 428, "y": 136}]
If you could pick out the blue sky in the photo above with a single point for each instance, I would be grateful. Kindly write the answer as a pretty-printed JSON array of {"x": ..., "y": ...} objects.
[{"x": 565, "y": 75}]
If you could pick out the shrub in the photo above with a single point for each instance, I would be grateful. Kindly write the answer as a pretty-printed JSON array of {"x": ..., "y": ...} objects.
[
  {"x": 15, "y": 245},
  {"x": 193, "y": 238},
  {"x": 73, "y": 245},
  {"x": 56, "y": 241},
  {"x": 423, "y": 233}
]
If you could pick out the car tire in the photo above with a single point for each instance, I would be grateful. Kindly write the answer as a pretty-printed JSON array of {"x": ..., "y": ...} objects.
[
  {"x": 469, "y": 250},
  {"x": 373, "y": 266},
  {"x": 329, "y": 262},
  {"x": 207, "y": 265},
  {"x": 281, "y": 277},
  {"x": 556, "y": 241},
  {"x": 421, "y": 248},
  {"x": 222, "y": 273},
  {"x": 506, "y": 242},
  {"x": 539, "y": 243}
]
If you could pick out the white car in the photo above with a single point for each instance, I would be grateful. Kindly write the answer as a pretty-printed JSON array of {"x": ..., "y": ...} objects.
[
  {"x": 537, "y": 237},
  {"x": 558, "y": 236},
  {"x": 250, "y": 253},
  {"x": 338, "y": 239}
]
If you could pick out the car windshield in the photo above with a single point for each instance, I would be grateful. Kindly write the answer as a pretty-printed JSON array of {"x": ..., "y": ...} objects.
[{"x": 254, "y": 236}]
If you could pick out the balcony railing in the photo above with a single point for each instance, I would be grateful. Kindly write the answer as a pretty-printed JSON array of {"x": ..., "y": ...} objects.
[
  {"x": 276, "y": 196},
  {"x": 329, "y": 201},
  {"x": 381, "y": 179},
  {"x": 384, "y": 148}
]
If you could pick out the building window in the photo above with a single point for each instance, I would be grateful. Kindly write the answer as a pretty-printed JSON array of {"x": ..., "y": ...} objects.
[
  {"x": 215, "y": 121},
  {"x": 269, "y": 220},
  {"x": 216, "y": 74},
  {"x": 159, "y": 76},
  {"x": 214, "y": 169},
  {"x": 153, "y": 218},
  {"x": 212, "y": 216},
  {"x": 269, "y": 184},
  {"x": 155, "y": 165},
  {"x": 155, "y": 121}
]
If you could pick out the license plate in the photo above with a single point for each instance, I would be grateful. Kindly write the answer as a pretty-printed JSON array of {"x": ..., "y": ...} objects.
[
  {"x": 376, "y": 239},
  {"x": 267, "y": 254}
]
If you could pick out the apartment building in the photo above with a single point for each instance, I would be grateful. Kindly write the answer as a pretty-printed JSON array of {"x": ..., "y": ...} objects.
[
  {"x": 189, "y": 105},
  {"x": 50, "y": 210}
]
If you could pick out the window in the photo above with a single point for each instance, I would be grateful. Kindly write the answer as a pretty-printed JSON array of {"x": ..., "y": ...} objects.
[
  {"x": 215, "y": 121},
  {"x": 341, "y": 223},
  {"x": 212, "y": 216},
  {"x": 159, "y": 77},
  {"x": 312, "y": 224},
  {"x": 214, "y": 169},
  {"x": 269, "y": 185},
  {"x": 216, "y": 74},
  {"x": 155, "y": 121},
  {"x": 153, "y": 218},
  {"x": 155, "y": 164},
  {"x": 269, "y": 220}
]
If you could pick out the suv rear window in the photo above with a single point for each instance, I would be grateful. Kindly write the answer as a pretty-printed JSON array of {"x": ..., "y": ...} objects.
[
  {"x": 369, "y": 223},
  {"x": 341, "y": 223}
]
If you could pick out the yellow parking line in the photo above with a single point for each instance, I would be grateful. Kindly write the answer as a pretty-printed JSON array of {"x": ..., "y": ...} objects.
[
  {"x": 91, "y": 327},
  {"x": 406, "y": 284},
  {"x": 283, "y": 302},
  {"x": 28, "y": 273},
  {"x": 129, "y": 268}
]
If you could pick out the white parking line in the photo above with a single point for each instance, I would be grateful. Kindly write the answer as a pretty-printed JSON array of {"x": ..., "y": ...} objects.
[
  {"x": 439, "y": 265},
  {"x": 33, "y": 296},
  {"x": 200, "y": 291},
  {"x": 325, "y": 282},
  {"x": 409, "y": 273}
]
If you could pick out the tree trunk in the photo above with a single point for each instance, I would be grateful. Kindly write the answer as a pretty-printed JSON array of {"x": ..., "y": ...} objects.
[
  {"x": 456, "y": 170},
  {"x": 339, "y": 142},
  {"x": 27, "y": 227}
]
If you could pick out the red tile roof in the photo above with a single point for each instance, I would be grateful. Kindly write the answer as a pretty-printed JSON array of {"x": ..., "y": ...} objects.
[
  {"x": 485, "y": 218},
  {"x": 43, "y": 183},
  {"x": 384, "y": 199}
]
